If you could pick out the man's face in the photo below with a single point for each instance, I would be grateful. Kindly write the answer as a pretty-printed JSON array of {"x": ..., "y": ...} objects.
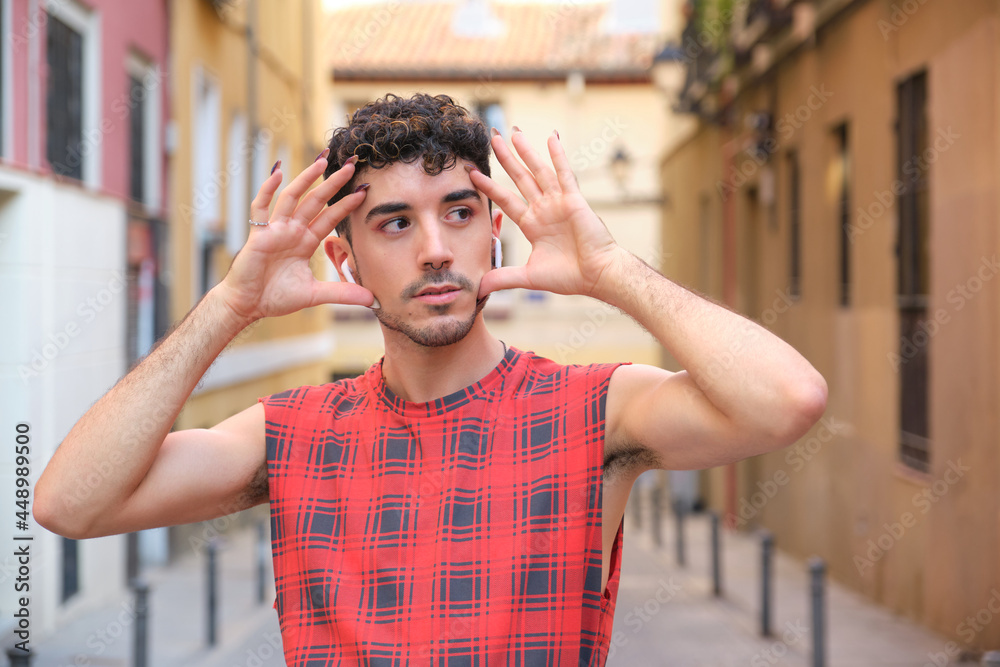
[{"x": 421, "y": 245}]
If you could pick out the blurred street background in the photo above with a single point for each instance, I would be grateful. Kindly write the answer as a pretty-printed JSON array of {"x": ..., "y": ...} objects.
[{"x": 828, "y": 168}]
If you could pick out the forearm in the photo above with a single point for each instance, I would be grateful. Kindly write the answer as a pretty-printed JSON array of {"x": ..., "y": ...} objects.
[
  {"x": 754, "y": 378},
  {"x": 110, "y": 449}
]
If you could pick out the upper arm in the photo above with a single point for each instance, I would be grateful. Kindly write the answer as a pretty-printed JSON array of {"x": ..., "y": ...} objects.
[
  {"x": 666, "y": 416},
  {"x": 198, "y": 474}
]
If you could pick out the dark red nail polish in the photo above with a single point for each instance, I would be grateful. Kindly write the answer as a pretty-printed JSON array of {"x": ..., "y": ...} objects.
[
  {"x": 275, "y": 166},
  {"x": 363, "y": 186},
  {"x": 322, "y": 154}
]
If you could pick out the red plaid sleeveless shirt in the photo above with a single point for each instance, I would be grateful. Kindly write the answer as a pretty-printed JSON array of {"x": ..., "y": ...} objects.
[{"x": 461, "y": 532}]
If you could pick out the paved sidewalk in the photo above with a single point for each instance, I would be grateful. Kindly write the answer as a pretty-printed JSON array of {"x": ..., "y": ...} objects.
[
  {"x": 666, "y": 615},
  {"x": 247, "y": 632}
]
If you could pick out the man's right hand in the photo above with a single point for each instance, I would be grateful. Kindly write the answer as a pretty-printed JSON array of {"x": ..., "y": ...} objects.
[{"x": 271, "y": 276}]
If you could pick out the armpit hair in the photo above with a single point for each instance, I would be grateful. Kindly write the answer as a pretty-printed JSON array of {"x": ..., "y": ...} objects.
[
  {"x": 258, "y": 490},
  {"x": 628, "y": 459}
]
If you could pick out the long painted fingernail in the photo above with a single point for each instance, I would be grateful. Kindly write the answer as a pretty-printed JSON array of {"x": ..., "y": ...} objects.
[
  {"x": 557, "y": 133},
  {"x": 276, "y": 165},
  {"x": 470, "y": 168},
  {"x": 322, "y": 154},
  {"x": 351, "y": 160},
  {"x": 375, "y": 305},
  {"x": 363, "y": 186},
  {"x": 494, "y": 132},
  {"x": 515, "y": 128}
]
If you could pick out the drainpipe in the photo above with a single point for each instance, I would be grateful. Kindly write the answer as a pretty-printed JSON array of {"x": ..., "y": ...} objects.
[{"x": 251, "y": 33}]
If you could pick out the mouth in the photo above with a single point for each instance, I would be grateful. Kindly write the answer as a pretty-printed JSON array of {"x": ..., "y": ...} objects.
[{"x": 436, "y": 294}]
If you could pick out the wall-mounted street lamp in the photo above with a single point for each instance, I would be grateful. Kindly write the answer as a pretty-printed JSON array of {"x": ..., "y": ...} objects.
[{"x": 621, "y": 165}]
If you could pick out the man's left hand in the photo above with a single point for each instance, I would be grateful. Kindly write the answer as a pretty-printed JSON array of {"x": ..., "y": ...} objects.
[{"x": 571, "y": 249}]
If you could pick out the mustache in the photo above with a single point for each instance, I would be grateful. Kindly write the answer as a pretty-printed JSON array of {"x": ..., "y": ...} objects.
[{"x": 436, "y": 278}]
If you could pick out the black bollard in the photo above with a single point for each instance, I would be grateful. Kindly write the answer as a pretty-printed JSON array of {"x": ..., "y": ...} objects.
[
  {"x": 140, "y": 635},
  {"x": 679, "y": 512},
  {"x": 766, "y": 557},
  {"x": 817, "y": 572},
  {"x": 716, "y": 557},
  {"x": 212, "y": 552},
  {"x": 19, "y": 658},
  {"x": 261, "y": 561}
]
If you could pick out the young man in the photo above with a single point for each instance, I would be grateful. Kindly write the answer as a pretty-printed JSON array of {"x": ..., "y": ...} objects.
[{"x": 461, "y": 502}]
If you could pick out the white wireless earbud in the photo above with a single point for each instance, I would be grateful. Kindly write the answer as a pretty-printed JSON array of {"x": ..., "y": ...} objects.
[
  {"x": 347, "y": 272},
  {"x": 497, "y": 253}
]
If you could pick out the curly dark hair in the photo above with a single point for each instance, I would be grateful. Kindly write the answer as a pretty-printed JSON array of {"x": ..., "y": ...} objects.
[{"x": 393, "y": 129}]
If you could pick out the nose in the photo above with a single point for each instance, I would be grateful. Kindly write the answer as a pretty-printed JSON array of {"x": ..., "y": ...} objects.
[{"x": 434, "y": 252}]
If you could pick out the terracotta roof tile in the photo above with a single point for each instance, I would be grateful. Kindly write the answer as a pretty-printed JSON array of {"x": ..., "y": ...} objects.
[{"x": 418, "y": 39}]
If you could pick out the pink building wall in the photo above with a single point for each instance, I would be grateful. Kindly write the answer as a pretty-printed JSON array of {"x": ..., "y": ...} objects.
[{"x": 126, "y": 26}]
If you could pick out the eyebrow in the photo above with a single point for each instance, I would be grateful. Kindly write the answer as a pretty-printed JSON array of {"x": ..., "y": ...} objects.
[{"x": 397, "y": 206}]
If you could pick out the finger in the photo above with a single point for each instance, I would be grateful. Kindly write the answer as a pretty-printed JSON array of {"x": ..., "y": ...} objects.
[
  {"x": 330, "y": 217},
  {"x": 542, "y": 173},
  {"x": 261, "y": 205},
  {"x": 522, "y": 178},
  {"x": 506, "y": 277},
  {"x": 289, "y": 198},
  {"x": 316, "y": 200},
  {"x": 508, "y": 202},
  {"x": 567, "y": 179},
  {"x": 344, "y": 293}
]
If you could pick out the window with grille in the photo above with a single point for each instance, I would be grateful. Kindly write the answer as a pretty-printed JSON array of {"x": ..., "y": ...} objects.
[
  {"x": 64, "y": 101},
  {"x": 913, "y": 262}
]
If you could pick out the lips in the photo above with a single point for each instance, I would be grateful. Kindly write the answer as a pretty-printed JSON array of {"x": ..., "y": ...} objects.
[
  {"x": 438, "y": 294},
  {"x": 437, "y": 289}
]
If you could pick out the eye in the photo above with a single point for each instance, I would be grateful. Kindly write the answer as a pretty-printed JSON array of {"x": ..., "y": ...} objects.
[
  {"x": 461, "y": 214},
  {"x": 395, "y": 226}
]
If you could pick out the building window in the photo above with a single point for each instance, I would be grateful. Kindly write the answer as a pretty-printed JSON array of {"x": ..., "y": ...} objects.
[
  {"x": 491, "y": 113},
  {"x": 843, "y": 174},
  {"x": 72, "y": 95},
  {"x": 207, "y": 180},
  {"x": 913, "y": 261},
  {"x": 237, "y": 199},
  {"x": 794, "y": 225},
  {"x": 143, "y": 103},
  {"x": 64, "y": 110},
  {"x": 137, "y": 144}
]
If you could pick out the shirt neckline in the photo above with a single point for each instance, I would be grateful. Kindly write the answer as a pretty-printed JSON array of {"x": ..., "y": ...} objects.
[{"x": 447, "y": 403}]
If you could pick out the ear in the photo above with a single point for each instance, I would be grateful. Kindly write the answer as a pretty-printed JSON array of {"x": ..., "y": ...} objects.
[
  {"x": 497, "y": 220},
  {"x": 338, "y": 250}
]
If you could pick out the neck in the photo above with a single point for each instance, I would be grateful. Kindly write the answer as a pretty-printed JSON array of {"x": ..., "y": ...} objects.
[{"x": 420, "y": 374}]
